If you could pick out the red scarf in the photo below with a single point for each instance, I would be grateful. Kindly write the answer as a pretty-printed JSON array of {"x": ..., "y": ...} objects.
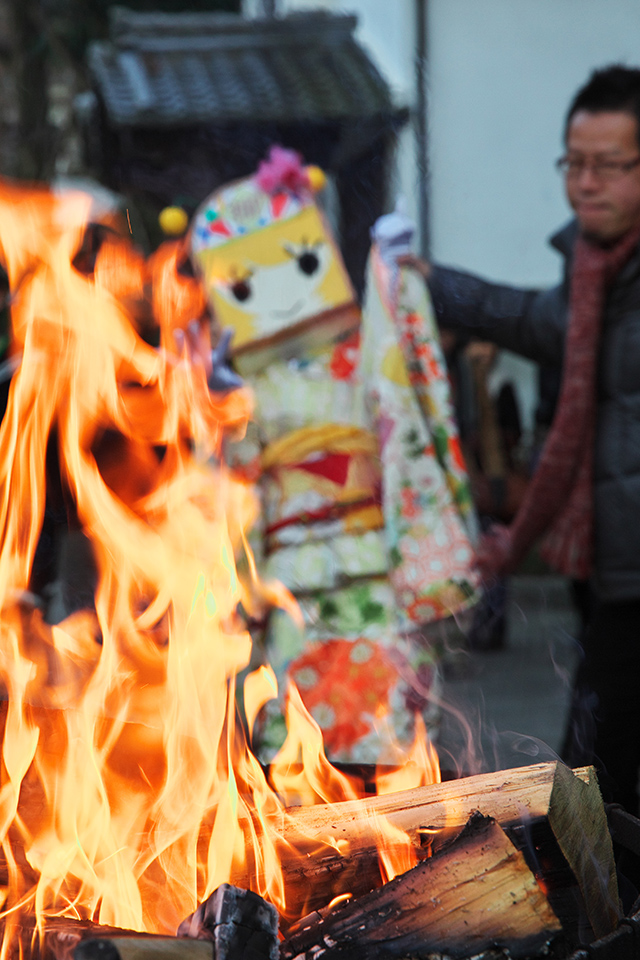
[{"x": 560, "y": 495}]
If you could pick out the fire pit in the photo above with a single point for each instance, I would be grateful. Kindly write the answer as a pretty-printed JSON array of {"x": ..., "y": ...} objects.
[{"x": 488, "y": 888}]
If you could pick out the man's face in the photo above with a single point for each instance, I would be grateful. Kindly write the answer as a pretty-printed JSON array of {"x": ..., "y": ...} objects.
[{"x": 605, "y": 207}]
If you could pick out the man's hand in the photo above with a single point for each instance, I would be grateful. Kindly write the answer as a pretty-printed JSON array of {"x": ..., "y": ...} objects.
[
  {"x": 481, "y": 355},
  {"x": 423, "y": 267}
]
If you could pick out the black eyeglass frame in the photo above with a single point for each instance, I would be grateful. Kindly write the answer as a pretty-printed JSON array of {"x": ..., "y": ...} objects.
[{"x": 616, "y": 167}]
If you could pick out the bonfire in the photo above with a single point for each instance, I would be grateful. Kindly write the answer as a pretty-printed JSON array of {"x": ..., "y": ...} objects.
[{"x": 129, "y": 792}]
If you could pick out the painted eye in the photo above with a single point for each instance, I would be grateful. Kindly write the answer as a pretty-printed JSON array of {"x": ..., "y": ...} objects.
[
  {"x": 241, "y": 290},
  {"x": 308, "y": 263}
]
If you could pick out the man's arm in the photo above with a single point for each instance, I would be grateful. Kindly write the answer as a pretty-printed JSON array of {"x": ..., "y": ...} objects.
[{"x": 529, "y": 322}]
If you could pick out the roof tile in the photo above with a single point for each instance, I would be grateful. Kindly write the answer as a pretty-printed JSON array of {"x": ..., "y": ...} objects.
[{"x": 180, "y": 69}]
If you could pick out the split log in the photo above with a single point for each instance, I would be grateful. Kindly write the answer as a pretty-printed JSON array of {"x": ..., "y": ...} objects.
[
  {"x": 476, "y": 892},
  {"x": 332, "y": 848},
  {"x": 140, "y": 947}
]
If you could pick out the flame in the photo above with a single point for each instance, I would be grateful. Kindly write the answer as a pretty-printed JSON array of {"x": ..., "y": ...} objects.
[
  {"x": 395, "y": 851},
  {"x": 420, "y": 767},
  {"x": 128, "y": 791},
  {"x": 338, "y": 900},
  {"x": 300, "y": 771}
]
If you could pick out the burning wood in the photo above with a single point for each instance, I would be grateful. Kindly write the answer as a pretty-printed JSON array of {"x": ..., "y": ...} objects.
[
  {"x": 72, "y": 940},
  {"x": 238, "y": 923},
  {"x": 124, "y": 945},
  {"x": 141, "y": 947},
  {"x": 476, "y": 889},
  {"x": 475, "y": 892},
  {"x": 554, "y": 816}
]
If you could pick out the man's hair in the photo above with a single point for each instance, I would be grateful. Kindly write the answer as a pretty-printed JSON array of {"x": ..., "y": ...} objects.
[{"x": 614, "y": 88}]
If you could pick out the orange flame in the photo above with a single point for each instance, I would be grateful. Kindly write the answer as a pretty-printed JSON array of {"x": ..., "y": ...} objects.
[
  {"x": 420, "y": 767},
  {"x": 127, "y": 790},
  {"x": 300, "y": 771}
]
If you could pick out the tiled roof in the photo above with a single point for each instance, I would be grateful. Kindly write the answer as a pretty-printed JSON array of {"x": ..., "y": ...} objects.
[{"x": 190, "y": 68}]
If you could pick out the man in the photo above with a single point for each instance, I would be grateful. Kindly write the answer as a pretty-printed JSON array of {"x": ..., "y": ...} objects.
[{"x": 585, "y": 494}]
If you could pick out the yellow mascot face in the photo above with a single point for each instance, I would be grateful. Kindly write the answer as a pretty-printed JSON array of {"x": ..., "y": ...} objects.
[{"x": 268, "y": 260}]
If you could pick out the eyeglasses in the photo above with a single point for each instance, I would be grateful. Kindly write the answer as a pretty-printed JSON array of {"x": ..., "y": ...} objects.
[{"x": 574, "y": 167}]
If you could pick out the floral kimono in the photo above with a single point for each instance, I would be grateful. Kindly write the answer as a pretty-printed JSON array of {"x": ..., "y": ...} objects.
[
  {"x": 365, "y": 507},
  {"x": 428, "y": 515}
]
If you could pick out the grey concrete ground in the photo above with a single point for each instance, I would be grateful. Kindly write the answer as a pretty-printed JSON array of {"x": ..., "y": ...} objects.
[{"x": 508, "y": 707}]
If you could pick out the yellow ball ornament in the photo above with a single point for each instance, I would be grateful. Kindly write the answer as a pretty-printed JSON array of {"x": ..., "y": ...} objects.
[
  {"x": 317, "y": 178},
  {"x": 173, "y": 221}
]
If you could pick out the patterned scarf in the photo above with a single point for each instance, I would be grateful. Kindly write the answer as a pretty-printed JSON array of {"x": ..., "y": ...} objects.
[{"x": 560, "y": 495}]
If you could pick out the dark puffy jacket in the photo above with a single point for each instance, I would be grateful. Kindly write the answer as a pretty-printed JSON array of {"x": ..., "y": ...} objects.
[{"x": 533, "y": 323}]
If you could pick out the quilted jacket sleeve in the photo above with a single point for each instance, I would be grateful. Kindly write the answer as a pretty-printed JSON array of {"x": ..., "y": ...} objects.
[{"x": 529, "y": 322}]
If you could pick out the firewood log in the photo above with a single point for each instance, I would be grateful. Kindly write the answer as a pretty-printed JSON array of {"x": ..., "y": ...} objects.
[
  {"x": 475, "y": 892},
  {"x": 140, "y": 947},
  {"x": 238, "y": 922},
  {"x": 333, "y": 846}
]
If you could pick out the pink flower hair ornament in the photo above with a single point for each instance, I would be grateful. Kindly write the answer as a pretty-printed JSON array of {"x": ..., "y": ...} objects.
[{"x": 283, "y": 170}]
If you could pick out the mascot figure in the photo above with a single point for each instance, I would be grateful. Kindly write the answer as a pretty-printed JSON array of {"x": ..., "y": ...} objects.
[{"x": 366, "y": 514}]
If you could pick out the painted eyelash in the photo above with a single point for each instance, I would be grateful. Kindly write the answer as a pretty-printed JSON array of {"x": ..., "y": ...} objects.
[{"x": 295, "y": 251}]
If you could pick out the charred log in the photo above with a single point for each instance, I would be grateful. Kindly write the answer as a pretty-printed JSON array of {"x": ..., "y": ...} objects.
[
  {"x": 476, "y": 892},
  {"x": 238, "y": 922}
]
